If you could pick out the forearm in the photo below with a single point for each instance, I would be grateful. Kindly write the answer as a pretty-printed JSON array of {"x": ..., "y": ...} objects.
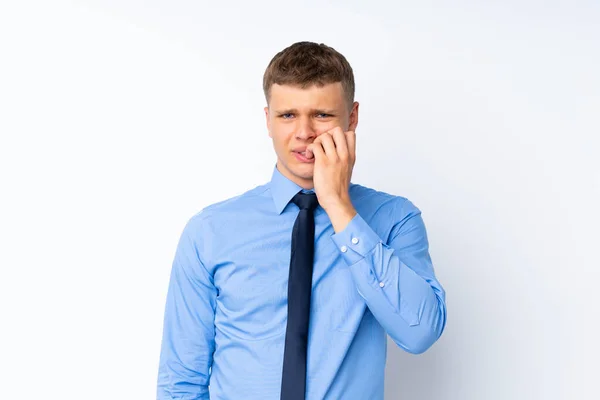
[
  {"x": 404, "y": 303},
  {"x": 396, "y": 281}
]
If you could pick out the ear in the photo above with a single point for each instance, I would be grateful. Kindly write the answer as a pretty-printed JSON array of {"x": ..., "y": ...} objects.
[
  {"x": 268, "y": 121},
  {"x": 353, "y": 119}
]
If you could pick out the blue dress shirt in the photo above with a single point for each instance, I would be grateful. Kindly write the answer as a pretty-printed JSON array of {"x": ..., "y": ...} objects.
[{"x": 226, "y": 308}]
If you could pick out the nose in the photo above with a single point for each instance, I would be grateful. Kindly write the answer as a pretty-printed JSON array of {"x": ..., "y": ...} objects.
[{"x": 305, "y": 130}]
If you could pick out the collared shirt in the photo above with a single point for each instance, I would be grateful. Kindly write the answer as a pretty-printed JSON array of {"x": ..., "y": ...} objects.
[{"x": 226, "y": 309}]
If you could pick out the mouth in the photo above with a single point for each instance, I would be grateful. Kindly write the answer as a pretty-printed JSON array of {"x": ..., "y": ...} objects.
[{"x": 301, "y": 156}]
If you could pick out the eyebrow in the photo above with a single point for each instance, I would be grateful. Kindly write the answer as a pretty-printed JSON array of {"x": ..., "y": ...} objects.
[{"x": 295, "y": 111}]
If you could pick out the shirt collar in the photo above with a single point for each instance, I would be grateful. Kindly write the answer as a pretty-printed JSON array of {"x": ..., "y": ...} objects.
[{"x": 283, "y": 190}]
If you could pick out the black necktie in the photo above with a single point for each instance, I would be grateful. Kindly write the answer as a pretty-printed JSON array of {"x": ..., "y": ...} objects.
[{"x": 293, "y": 383}]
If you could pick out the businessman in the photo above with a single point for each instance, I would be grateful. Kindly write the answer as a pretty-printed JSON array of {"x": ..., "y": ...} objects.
[{"x": 289, "y": 290}]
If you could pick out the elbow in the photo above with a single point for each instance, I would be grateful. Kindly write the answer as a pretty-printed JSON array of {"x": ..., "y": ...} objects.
[
  {"x": 420, "y": 337},
  {"x": 418, "y": 344}
]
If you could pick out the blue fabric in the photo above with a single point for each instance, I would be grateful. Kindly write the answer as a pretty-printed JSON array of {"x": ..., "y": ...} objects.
[
  {"x": 226, "y": 309},
  {"x": 293, "y": 386}
]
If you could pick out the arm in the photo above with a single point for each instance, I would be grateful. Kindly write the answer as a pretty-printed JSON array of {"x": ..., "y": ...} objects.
[
  {"x": 397, "y": 279},
  {"x": 188, "y": 331}
]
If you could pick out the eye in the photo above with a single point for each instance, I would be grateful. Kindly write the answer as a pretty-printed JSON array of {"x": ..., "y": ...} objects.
[
  {"x": 323, "y": 115},
  {"x": 286, "y": 115}
]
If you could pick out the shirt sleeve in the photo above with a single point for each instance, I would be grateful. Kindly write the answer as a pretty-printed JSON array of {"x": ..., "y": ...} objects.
[
  {"x": 397, "y": 279},
  {"x": 188, "y": 330}
]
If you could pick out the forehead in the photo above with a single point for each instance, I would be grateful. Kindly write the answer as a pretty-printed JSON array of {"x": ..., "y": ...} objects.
[{"x": 285, "y": 96}]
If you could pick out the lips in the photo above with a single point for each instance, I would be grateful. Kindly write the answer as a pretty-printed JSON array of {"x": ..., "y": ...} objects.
[{"x": 301, "y": 156}]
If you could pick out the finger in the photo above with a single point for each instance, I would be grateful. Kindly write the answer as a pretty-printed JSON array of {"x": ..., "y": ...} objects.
[
  {"x": 309, "y": 153},
  {"x": 351, "y": 141},
  {"x": 341, "y": 144},
  {"x": 310, "y": 148},
  {"x": 315, "y": 149},
  {"x": 326, "y": 140}
]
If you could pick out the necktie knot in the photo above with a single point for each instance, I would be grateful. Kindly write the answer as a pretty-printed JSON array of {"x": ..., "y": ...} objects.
[{"x": 306, "y": 201}]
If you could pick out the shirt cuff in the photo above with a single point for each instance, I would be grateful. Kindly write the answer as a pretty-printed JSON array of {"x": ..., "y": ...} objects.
[{"x": 356, "y": 240}]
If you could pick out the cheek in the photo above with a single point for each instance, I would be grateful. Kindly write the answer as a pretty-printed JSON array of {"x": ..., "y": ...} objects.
[
  {"x": 329, "y": 125},
  {"x": 281, "y": 135},
  {"x": 280, "y": 143}
]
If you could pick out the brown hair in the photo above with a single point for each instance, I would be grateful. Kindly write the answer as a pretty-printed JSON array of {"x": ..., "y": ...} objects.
[{"x": 307, "y": 63}]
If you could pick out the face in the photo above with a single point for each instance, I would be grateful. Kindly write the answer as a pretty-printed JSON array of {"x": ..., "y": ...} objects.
[{"x": 296, "y": 116}]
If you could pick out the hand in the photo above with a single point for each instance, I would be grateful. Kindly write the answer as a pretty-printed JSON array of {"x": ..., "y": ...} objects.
[{"x": 335, "y": 154}]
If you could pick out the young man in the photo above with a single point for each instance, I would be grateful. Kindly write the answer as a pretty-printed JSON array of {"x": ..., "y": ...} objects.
[{"x": 288, "y": 290}]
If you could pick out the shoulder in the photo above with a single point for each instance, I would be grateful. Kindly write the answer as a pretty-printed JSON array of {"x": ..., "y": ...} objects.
[
  {"x": 386, "y": 213},
  {"x": 373, "y": 201},
  {"x": 220, "y": 212}
]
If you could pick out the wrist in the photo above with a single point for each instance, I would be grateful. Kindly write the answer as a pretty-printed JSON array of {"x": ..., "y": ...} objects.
[{"x": 340, "y": 213}]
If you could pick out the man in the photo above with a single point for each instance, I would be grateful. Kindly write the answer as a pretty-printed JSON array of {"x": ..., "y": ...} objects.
[{"x": 288, "y": 290}]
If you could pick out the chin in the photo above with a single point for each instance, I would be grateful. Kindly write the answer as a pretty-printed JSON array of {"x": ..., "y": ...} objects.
[{"x": 304, "y": 171}]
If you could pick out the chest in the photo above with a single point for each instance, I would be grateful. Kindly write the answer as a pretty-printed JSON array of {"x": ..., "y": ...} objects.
[{"x": 251, "y": 276}]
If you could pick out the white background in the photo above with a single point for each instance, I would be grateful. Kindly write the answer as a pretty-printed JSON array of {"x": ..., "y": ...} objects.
[{"x": 121, "y": 119}]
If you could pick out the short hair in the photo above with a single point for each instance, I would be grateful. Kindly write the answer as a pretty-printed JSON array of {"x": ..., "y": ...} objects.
[{"x": 305, "y": 64}]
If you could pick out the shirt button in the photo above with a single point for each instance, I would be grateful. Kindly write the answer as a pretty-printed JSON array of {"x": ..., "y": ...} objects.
[
  {"x": 381, "y": 284},
  {"x": 344, "y": 249},
  {"x": 354, "y": 240}
]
